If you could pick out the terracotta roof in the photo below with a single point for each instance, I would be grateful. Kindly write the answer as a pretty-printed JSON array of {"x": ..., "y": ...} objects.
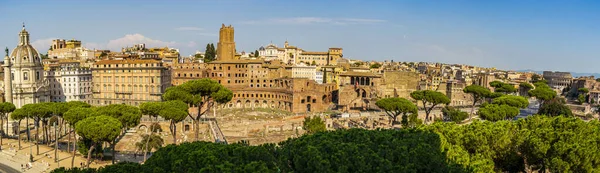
[
  {"x": 137, "y": 61},
  {"x": 241, "y": 61},
  {"x": 67, "y": 61},
  {"x": 314, "y": 53},
  {"x": 353, "y": 73}
]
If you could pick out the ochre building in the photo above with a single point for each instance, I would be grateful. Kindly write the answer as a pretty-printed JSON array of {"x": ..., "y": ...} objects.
[
  {"x": 129, "y": 81},
  {"x": 258, "y": 84}
]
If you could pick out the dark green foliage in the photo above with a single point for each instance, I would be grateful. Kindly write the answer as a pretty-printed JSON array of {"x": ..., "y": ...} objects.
[
  {"x": 395, "y": 106},
  {"x": 583, "y": 90},
  {"x": 494, "y": 112},
  {"x": 581, "y": 99},
  {"x": 454, "y": 115},
  {"x": 376, "y": 65},
  {"x": 502, "y": 87},
  {"x": 535, "y": 77},
  {"x": 359, "y": 150},
  {"x": 74, "y": 170},
  {"x": 201, "y": 93},
  {"x": 84, "y": 145},
  {"x": 527, "y": 86},
  {"x": 121, "y": 167},
  {"x": 153, "y": 142},
  {"x": 537, "y": 143},
  {"x": 561, "y": 144},
  {"x": 210, "y": 53},
  {"x": 494, "y": 95},
  {"x": 155, "y": 127},
  {"x": 542, "y": 92},
  {"x": 129, "y": 116},
  {"x": 212, "y": 157},
  {"x": 511, "y": 100},
  {"x": 313, "y": 125},
  {"x": 555, "y": 107},
  {"x": 431, "y": 98}
]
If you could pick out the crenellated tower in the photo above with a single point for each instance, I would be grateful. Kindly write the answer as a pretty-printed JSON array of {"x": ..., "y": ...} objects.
[{"x": 226, "y": 45}]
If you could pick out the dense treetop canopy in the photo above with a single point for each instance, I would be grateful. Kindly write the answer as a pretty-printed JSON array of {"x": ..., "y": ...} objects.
[
  {"x": 477, "y": 91},
  {"x": 495, "y": 112},
  {"x": 196, "y": 91},
  {"x": 396, "y": 105},
  {"x": 557, "y": 144},
  {"x": 99, "y": 128},
  {"x": 511, "y": 100}
]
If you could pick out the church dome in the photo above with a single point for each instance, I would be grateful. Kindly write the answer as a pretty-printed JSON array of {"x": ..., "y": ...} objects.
[{"x": 24, "y": 53}]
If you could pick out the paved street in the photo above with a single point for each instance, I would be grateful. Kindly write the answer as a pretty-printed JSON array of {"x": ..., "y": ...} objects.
[{"x": 12, "y": 159}]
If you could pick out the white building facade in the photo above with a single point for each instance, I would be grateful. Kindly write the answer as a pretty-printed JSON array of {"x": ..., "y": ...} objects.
[
  {"x": 287, "y": 54},
  {"x": 70, "y": 82},
  {"x": 304, "y": 71},
  {"x": 319, "y": 77}
]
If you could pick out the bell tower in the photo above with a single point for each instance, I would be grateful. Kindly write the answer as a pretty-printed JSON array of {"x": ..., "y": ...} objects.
[{"x": 226, "y": 45}]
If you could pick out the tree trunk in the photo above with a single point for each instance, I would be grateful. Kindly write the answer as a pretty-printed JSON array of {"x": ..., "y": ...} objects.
[
  {"x": 426, "y": 113},
  {"x": 173, "y": 128},
  {"x": 196, "y": 124},
  {"x": 69, "y": 140},
  {"x": 46, "y": 133},
  {"x": 6, "y": 123},
  {"x": 43, "y": 132},
  {"x": 197, "y": 129},
  {"x": 145, "y": 149},
  {"x": 27, "y": 126},
  {"x": 60, "y": 128},
  {"x": 37, "y": 137},
  {"x": 19, "y": 133},
  {"x": 472, "y": 110},
  {"x": 113, "y": 144},
  {"x": 74, "y": 149},
  {"x": 87, "y": 165},
  {"x": 148, "y": 140},
  {"x": 1, "y": 132}
]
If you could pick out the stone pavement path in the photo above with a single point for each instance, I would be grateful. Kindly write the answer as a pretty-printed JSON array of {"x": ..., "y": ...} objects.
[{"x": 44, "y": 162}]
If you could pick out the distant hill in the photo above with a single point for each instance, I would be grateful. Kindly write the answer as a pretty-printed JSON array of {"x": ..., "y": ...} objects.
[{"x": 575, "y": 74}]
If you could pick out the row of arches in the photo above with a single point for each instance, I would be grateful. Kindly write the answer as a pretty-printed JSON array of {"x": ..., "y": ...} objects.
[
  {"x": 260, "y": 104},
  {"x": 361, "y": 81},
  {"x": 258, "y": 95}
]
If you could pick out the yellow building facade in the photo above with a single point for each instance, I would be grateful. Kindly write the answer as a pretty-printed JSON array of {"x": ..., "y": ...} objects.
[{"x": 129, "y": 81}]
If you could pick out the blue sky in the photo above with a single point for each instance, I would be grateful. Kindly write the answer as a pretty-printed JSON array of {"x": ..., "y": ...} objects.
[{"x": 508, "y": 34}]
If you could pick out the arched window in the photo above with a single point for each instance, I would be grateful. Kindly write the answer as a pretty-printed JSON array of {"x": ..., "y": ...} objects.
[{"x": 25, "y": 76}]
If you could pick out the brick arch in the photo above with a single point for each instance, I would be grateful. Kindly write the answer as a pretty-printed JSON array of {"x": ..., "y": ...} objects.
[
  {"x": 238, "y": 104},
  {"x": 247, "y": 104},
  {"x": 256, "y": 103}
]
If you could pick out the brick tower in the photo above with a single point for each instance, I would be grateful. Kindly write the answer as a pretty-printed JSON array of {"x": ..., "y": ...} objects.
[{"x": 226, "y": 45}]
